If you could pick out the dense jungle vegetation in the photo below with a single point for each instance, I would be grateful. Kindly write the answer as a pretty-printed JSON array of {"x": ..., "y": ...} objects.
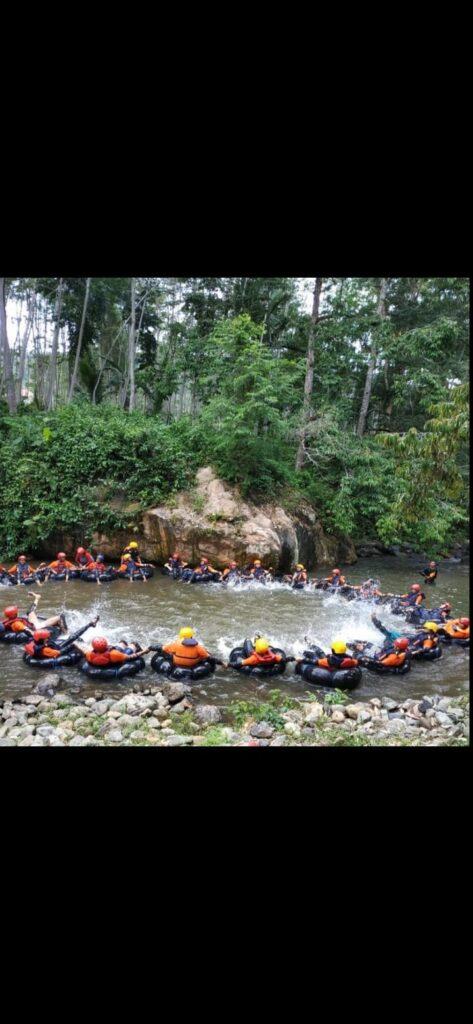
[{"x": 352, "y": 392}]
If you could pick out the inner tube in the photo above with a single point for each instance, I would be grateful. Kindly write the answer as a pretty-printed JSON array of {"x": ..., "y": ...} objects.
[
  {"x": 137, "y": 574},
  {"x": 104, "y": 577},
  {"x": 428, "y": 654},
  {"x": 446, "y": 639},
  {"x": 61, "y": 576},
  {"x": 129, "y": 668},
  {"x": 175, "y": 574},
  {"x": 8, "y": 581},
  {"x": 388, "y": 670},
  {"x": 68, "y": 658},
  {"x": 276, "y": 669},
  {"x": 206, "y": 577},
  {"x": 163, "y": 666},
  {"x": 8, "y": 637},
  {"x": 344, "y": 679}
]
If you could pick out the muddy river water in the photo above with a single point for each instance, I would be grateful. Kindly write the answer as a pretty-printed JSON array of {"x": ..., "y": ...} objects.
[{"x": 154, "y": 611}]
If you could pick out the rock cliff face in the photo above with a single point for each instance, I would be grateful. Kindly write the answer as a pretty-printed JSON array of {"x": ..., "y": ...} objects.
[{"x": 214, "y": 521}]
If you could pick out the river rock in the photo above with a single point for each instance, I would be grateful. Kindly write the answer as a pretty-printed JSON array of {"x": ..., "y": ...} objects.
[
  {"x": 179, "y": 709},
  {"x": 33, "y": 698},
  {"x": 389, "y": 704},
  {"x": 313, "y": 712},
  {"x": 45, "y": 730},
  {"x": 175, "y": 692},
  {"x": 48, "y": 685},
  {"x": 354, "y": 710},
  {"x": 115, "y": 736},
  {"x": 293, "y": 730},
  {"x": 8, "y": 742},
  {"x": 375, "y": 702},
  {"x": 444, "y": 720},
  {"x": 227, "y": 527},
  {"x": 133, "y": 704},
  {"x": 79, "y": 741},
  {"x": 178, "y": 741},
  {"x": 262, "y": 730},
  {"x": 396, "y": 726},
  {"x": 207, "y": 714},
  {"x": 102, "y": 706},
  {"x": 338, "y": 716}
]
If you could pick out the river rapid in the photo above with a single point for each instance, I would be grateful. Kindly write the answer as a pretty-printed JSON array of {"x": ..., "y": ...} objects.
[{"x": 153, "y": 612}]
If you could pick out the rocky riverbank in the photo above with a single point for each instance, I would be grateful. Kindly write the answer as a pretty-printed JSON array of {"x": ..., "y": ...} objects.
[
  {"x": 166, "y": 716},
  {"x": 213, "y": 521}
]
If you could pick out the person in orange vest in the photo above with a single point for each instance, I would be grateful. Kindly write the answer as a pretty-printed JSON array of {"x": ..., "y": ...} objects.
[
  {"x": 84, "y": 558},
  {"x": 413, "y": 599},
  {"x": 391, "y": 656},
  {"x": 22, "y": 570},
  {"x": 60, "y": 565},
  {"x": 427, "y": 639},
  {"x": 186, "y": 651},
  {"x": 337, "y": 660},
  {"x": 257, "y": 572},
  {"x": 14, "y": 623},
  {"x": 101, "y": 654},
  {"x": 456, "y": 629},
  {"x": 263, "y": 654},
  {"x": 42, "y": 645}
]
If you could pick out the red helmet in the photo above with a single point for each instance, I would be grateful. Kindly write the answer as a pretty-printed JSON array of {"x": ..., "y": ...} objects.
[
  {"x": 401, "y": 643},
  {"x": 99, "y": 644},
  {"x": 41, "y": 634},
  {"x": 335, "y": 572},
  {"x": 204, "y": 560},
  {"x": 61, "y": 554},
  {"x": 81, "y": 551},
  {"x": 233, "y": 565},
  {"x": 22, "y": 558},
  {"x": 415, "y": 586},
  {"x": 464, "y": 622},
  {"x": 11, "y": 612},
  {"x": 175, "y": 554}
]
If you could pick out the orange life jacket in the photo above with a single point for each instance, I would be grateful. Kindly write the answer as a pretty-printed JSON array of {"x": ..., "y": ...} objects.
[
  {"x": 41, "y": 652},
  {"x": 17, "y": 625},
  {"x": 453, "y": 628},
  {"x": 394, "y": 659},
  {"x": 346, "y": 663},
  {"x": 102, "y": 659},
  {"x": 262, "y": 659},
  {"x": 60, "y": 565},
  {"x": 187, "y": 654}
]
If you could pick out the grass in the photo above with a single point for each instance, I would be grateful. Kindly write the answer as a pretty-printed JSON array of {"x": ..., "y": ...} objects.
[{"x": 214, "y": 737}]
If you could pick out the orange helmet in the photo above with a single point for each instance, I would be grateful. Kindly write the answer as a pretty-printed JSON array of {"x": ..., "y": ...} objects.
[
  {"x": 99, "y": 644},
  {"x": 41, "y": 634},
  {"x": 257, "y": 561},
  {"x": 401, "y": 643},
  {"x": 81, "y": 551}
]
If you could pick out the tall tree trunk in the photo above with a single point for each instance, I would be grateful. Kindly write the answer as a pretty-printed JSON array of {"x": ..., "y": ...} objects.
[
  {"x": 25, "y": 339},
  {"x": 131, "y": 348},
  {"x": 53, "y": 358},
  {"x": 381, "y": 311},
  {"x": 79, "y": 342},
  {"x": 7, "y": 360},
  {"x": 309, "y": 374}
]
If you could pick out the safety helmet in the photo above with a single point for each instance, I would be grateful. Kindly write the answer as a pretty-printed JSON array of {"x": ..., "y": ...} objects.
[
  {"x": 61, "y": 554},
  {"x": 41, "y": 634},
  {"x": 401, "y": 643},
  {"x": 11, "y": 612},
  {"x": 335, "y": 572},
  {"x": 446, "y": 606},
  {"x": 415, "y": 586},
  {"x": 100, "y": 558},
  {"x": 261, "y": 645},
  {"x": 175, "y": 554},
  {"x": 464, "y": 622},
  {"x": 257, "y": 561},
  {"x": 339, "y": 647},
  {"x": 186, "y": 633},
  {"x": 127, "y": 558},
  {"x": 81, "y": 551},
  {"x": 299, "y": 566},
  {"x": 204, "y": 561},
  {"x": 99, "y": 644},
  {"x": 133, "y": 544},
  {"x": 22, "y": 558},
  {"x": 432, "y": 626}
]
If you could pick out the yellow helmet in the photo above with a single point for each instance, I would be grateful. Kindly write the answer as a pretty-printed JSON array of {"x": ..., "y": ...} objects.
[
  {"x": 126, "y": 558},
  {"x": 257, "y": 561},
  {"x": 133, "y": 544},
  {"x": 261, "y": 645},
  {"x": 432, "y": 626},
  {"x": 339, "y": 647},
  {"x": 186, "y": 633},
  {"x": 299, "y": 565}
]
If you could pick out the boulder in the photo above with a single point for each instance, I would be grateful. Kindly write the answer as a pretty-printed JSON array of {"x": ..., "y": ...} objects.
[
  {"x": 207, "y": 714},
  {"x": 262, "y": 730}
]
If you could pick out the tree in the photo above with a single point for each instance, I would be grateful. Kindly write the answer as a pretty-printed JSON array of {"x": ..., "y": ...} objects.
[
  {"x": 309, "y": 377},
  {"x": 7, "y": 360},
  {"x": 52, "y": 386},
  {"x": 79, "y": 343},
  {"x": 381, "y": 311}
]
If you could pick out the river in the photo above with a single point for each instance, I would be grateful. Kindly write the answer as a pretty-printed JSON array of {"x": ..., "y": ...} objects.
[{"x": 154, "y": 611}]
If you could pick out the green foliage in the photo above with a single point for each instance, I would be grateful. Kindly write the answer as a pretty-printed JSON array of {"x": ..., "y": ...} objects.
[
  {"x": 337, "y": 697},
  {"x": 62, "y": 470}
]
